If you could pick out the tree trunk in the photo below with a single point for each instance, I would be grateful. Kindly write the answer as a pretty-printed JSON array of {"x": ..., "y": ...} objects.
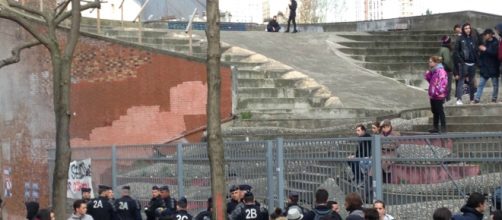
[
  {"x": 215, "y": 141},
  {"x": 61, "y": 82}
]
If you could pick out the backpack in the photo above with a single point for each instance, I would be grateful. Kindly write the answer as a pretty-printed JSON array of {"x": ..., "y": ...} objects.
[{"x": 322, "y": 215}]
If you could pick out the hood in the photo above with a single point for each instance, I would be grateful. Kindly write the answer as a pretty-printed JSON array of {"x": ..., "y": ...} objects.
[
  {"x": 439, "y": 66},
  {"x": 470, "y": 210}
]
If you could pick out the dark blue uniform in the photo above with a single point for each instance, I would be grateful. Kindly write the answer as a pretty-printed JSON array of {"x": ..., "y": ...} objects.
[
  {"x": 182, "y": 215},
  {"x": 204, "y": 215},
  {"x": 101, "y": 209},
  {"x": 169, "y": 204},
  {"x": 127, "y": 208},
  {"x": 153, "y": 204},
  {"x": 249, "y": 212}
]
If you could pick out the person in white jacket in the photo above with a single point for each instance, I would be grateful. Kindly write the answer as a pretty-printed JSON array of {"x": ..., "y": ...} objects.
[
  {"x": 380, "y": 207},
  {"x": 79, "y": 211}
]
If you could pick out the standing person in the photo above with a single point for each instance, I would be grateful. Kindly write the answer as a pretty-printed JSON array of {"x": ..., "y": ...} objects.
[
  {"x": 293, "y": 199},
  {"x": 249, "y": 210},
  {"x": 86, "y": 194},
  {"x": 354, "y": 205},
  {"x": 335, "y": 207},
  {"x": 371, "y": 214},
  {"x": 362, "y": 152},
  {"x": 181, "y": 210},
  {"x": 441, "y": 214},
  {"x": 438, "y": 80},
  {"x": 466, "y": 53},
  {"x": 473, "y": 208},
  {"x": 489, "y": 65},
  {"x": 154, "y": 203},
  {"x": 292, "y": 15},
  {"x": 321, "y": 209},
  {"x": 388, "y": 150},
  {"x": 445, "y": 54},
  {"x": 101, "y": 208},
  {"x": 235, "y": 198},
  {"x": 169, "y": 202},
  {"x": 206, "y": 215},
  {"x": 273, "y": 25},
  {"x": 79, "y": 211},
  {"x": 127, "y": 207},
  {"x": 499, "y": 32},
  {"x": 379, "y": 205}
]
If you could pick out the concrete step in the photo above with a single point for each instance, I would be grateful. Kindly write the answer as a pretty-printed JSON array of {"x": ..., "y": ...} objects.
[
  {"x": 244, "y": 93},
  {"x": 471, "y": 119},
  {"x": 391, "y": 38},
  {"x": 391, "y": 44},
  {"x": 394, "y": 33},
  {"x": 390, "y": 51},
  {"x": 250, "y": 73},
  {"x": 234, "y": 57},
  {"x": 405, "y": 67},
  {"x": 266, "y": 83},
  {"x": 465, "y": 127},
  {"x": 391, "y": 58},
  {"x": 298, "y": 123},
  {"x": 246, "y": 64},
  {"x": 270, "y": 135},
  {"x": 318, "y": 113},
  {"x": 271, "y": 103},
  {"x": 462, "y": 110}
]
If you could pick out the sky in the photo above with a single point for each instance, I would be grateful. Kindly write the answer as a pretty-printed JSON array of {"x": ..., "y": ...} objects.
[{"x": 441, "y": 6}]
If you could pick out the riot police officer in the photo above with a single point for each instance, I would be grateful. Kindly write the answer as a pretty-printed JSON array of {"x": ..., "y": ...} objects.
[
  {"x": 235, "y": 198},
  {"x": 206, "y": 215},
  {"x": 127, "y": 207},
  {"x": 169, "y": 202},
  {"x": 101, "y": 208},
  {"x": 86, "y": 195},
  {"x": 181, "y": 213},
  {"x": 154, "y": 203},
  {"x": 249, "y": 210}
]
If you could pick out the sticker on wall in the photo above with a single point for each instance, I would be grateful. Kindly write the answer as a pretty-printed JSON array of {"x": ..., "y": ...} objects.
[{"x": 7, "y": 182}]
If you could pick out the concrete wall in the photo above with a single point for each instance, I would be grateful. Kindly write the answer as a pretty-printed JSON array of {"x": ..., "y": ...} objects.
[
  {"x": 121, "y": 94},
  {"x": 443, "y": 21}
]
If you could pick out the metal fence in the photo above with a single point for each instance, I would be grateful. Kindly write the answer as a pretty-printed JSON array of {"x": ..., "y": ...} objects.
[{"x": 412, "y": 174}]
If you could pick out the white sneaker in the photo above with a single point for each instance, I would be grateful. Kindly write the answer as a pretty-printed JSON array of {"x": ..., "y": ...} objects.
[{"x": 459, "y": 102}]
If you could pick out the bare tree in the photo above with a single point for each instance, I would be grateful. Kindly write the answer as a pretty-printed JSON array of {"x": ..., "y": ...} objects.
[
  {"x": 61, "y": 52},
  {"x": 215, "y": 142}
]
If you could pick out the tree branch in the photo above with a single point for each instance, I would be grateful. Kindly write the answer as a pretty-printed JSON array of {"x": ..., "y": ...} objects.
[
  {"x": 16, "y": 53},
  {"x": 67, "y": 14},
  {"x": 61, "y": 7},
  {"x": 74, "y": 32},
  {"x": 18, "y": 5},
  {"x": 23, "y": 20}
]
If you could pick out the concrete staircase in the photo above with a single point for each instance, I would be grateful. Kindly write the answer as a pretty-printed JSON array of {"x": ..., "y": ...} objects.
[{"x": 400, "y": 55}]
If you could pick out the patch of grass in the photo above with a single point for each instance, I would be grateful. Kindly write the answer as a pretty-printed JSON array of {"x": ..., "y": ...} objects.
[{"x": 246, "y": 115}]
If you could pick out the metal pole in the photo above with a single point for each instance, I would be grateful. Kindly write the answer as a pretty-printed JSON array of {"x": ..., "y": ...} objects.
[
  {"x": 140, "y": 30},
  {"x": 235, "y": 89},
  {"x": 122, "y": 13},
  {"x": 98, "y": 21},
  {"x": 179, "y": 170},
  {"x": 280, "y": 170},
  {"x": 270, "y": 175},
  {"x": 377, "y": 156},
  {"x": 114, "y": 169}
]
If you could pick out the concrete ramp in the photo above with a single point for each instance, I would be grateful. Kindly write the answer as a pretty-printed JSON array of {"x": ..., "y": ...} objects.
[{"x": 318, "y": 56}]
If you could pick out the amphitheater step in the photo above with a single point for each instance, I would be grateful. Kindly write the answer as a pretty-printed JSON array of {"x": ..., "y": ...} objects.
[
  {"x": 270, "y": 103},
  {"x": 246, "y": 64},
  {"x": 298, "y": 123},
  {"x": 386, "y": 44},
  {"x": 405, "y": 67},
  {"x": 266, "y": 83},
  {"x": 390, "y": 51},
  {"x": 244, "y": 93},
  {"x": 394, "y": 33},
  {"x": 249, "y": 73},
  {"x": 465, "y": 127},
  {"x": 472, "y": 119},
  {"x": 391, "y": 38},
  {"x": 391, "y": 58},
  {"x": 318, "y": 113}
]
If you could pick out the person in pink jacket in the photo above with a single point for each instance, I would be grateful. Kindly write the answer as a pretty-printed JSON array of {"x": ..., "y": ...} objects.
[{"x": 438, "y": 81}]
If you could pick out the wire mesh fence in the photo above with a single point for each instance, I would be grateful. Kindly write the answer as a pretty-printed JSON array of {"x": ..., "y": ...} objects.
[{"x": 412, "y": 174}]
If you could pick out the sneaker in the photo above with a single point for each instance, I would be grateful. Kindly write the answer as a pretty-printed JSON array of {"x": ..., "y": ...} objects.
[
  {"x": 475, "y": 101},
  {"x": 494, "y": 100},
  {"x": 459, "y": 102},
  {"x": 433, "y": 130}
]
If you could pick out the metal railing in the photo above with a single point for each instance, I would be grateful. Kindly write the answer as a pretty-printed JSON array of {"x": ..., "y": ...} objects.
[
  {"x": 140, "y": 25},
  {"x": 412, "y": 174},
  {"x": 188, "y": 31}
]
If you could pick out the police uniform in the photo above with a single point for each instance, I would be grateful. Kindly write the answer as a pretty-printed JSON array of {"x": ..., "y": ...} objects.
[
  {"x": 101, "y": 208},
  {"x": 85, "y": 190},
  {"x": 232, "y": 203},
  {"x": 249, "y": 211},
  {"x": 182, "y": 215},
  {"x": 169, "y": 203},
  {"x": 127, "y": 208},
  {"x": 207, "y": 214},
  {"x": 153, "y": 204}
]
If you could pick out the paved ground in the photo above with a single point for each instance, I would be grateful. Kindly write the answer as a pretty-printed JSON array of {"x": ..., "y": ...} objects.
[{"x": 315, "y": 54}]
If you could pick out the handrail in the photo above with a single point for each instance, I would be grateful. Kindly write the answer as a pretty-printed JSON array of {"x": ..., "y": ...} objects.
[{"x": 189, "y": 32}]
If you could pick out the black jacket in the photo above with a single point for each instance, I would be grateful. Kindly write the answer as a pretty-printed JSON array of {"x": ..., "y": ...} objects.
[
  {"x": 127, "y": 208},
  {"x": 231, "y": 205},
  {"x": 182, "y": 215},
  {"x": 249, "y": 212},
  {"x": 170, "y": 205},
  {"x": 153, "y": 204},
  {"x": 292, "y": 8},
  {"x": 273, "y": 26},
  {"x": 488, "y": 59},
  {"x": 101, "y": 209},
  {"x": 204, "y": 215},
  {"x": 466, "y": 49},
  {"x": 324, "y": 211},
  {"x": 468, "y": 213},
  {"x": 364, "y": 149}
]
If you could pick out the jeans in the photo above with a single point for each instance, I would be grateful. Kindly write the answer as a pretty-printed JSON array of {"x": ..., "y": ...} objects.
[
  {"x": 291, "y": 19},
  {"x": 481, "y": 86},
  {"x": 466, "y": 73}
]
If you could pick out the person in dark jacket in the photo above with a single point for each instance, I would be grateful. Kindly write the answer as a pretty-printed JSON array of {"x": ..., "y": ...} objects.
[
  {"x": 466, "y": 53},
  {"x": 101, "y": 208},
  {"x": 86, "y": 194},
  {"x": 127, "y": 207},
  {"x": 362, "y": 152},
  {"x": 446, "y": 56},
  {"x": 235, "y": 198},
  {"x": 249, "y": 210},
  {"x": 207, "y": 214},
  {"x": 293, "y": 199},
  {"x": 442, "y": 213},
  {"x": 321, "y": 208},
  {"x": 473, "y": 209},
  {"x": 170, "y": 204},
  {"x": 489, "y": 65},
  {"x": 31, "y": 210},
  {"x": 292, "y": 15},
  {"x": 181, "y": 210},
  {"x": 273, "y": 25},
  {"x": 498, "y": 28},
  {"x": 354, "y": 206},
  {"x": 154, "y": 203}
]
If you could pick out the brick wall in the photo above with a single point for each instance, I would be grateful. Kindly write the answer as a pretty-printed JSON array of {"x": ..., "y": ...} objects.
[{"x": 121, "y": 94}]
